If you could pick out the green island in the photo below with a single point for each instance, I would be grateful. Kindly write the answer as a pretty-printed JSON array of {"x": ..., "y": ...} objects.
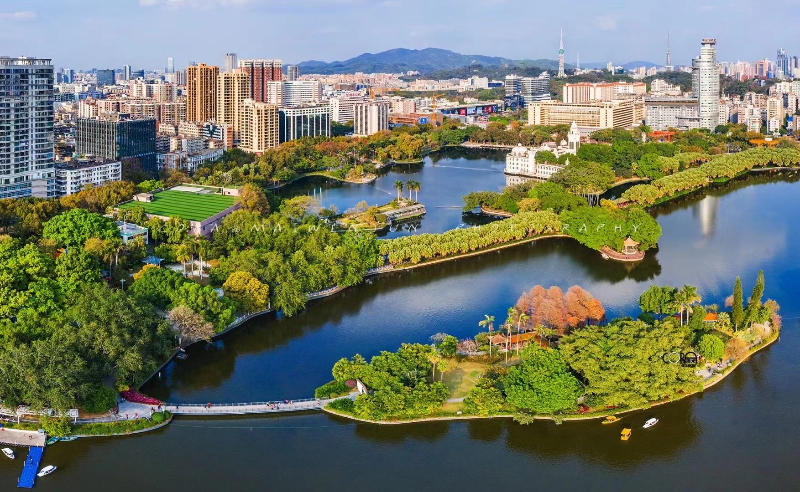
[
  {"x": 556, "y": 357},
  {"x": 80, "y": 315}
]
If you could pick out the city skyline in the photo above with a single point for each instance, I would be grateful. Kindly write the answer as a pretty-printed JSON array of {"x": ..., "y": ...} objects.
[{"x": 600, "y": 35}]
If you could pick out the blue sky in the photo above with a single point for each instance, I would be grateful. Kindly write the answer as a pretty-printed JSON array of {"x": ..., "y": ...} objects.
[{"x": 142, "y": 33}]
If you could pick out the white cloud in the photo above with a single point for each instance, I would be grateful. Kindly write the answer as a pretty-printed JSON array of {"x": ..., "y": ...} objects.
[
  {"x": 23, "y": 15},
  {"x": 195, "y": 3},
  {"x": 606, "y": 22}
]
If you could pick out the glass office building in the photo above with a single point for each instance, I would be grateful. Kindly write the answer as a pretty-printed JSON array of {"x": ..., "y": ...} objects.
[{"x": 305, "y": 121}]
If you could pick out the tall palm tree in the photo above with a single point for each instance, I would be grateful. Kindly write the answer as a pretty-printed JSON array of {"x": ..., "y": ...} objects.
[
  {"x": 417, "y": 187},
  {"x": 512, "y": 312},
  {"x": 203, "y": 251},
  {"x": 488, "y": 322},
  {"x": 399, "y": 185},
  {"x": 410, "y": 187},
  {"x": 434, "y": 359},
  {"x": 690, "y": 297},
  {"x": 521, "y": 320}
]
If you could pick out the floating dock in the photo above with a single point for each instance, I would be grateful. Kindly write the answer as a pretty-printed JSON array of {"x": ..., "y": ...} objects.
[{"x": 32, "y": 462}]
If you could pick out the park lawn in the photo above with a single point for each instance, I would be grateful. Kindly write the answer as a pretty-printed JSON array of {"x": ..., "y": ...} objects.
[
  {"x": 463, "y": 377},
  {"x": 189, "y": 206}
]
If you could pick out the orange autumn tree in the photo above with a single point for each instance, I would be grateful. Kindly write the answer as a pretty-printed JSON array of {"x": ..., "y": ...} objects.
[{"x": 554, "y": 309}]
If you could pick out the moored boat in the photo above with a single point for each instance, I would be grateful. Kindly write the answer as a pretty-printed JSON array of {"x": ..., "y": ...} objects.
[
  {"x": 610, "y": 419},
  {"x": 650, "y": 423},
  {"x": 52, "y": 440},
  {"x": 47, "y": 470},
  {"x": 8, "y": 452}
]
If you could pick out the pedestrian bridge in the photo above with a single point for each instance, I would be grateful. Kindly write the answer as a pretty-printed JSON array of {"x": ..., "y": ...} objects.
[{"x": 247, "y": 408}]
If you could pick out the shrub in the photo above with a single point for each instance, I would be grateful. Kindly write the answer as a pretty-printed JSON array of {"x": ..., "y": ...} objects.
[
  {"x": 711, "y": 347},
  {"x": 158, "y": 417},
  {"x": 331, "y": 390},
  {"x": 56, "y": 426},
  {"x": 344, "y": 405},
  {"x": 100, "y": 399}
]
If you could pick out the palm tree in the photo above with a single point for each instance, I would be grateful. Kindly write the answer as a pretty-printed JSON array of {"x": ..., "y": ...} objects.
[
  {"x": 417, "y": 187},
  {"x": 488, "y": 322},
  {"x": 399, "y": 185},
  {"x": 182, "y": 255},
  {"x": 410, "y": 187},
  {"x": 521, "y": 320},
  {"x": 434, "y": 359},
  {"x": 690, "y": 297},
  {"x": 509, "y": 324},
  {"x": 203, "y": 251}
]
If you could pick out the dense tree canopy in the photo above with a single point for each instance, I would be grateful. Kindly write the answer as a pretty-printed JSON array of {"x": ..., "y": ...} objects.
[
  {"x": 542, "y": 383},
  {"x": 623, "y": 365},
  {"x": 73, "y": 228}
]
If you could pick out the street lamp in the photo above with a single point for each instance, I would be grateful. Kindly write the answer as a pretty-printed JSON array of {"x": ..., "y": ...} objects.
[{"x": 123, "y": 283}]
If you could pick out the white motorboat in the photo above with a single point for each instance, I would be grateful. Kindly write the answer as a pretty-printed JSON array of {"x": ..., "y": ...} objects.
[
  {"x": 8, "y": 452},
  {"x": 650, "y": 423},
  {"x": 47, "y": 470}
]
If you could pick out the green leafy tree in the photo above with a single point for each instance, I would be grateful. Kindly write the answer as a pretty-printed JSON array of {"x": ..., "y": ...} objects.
[
  {"x": 449, "y": 346},
  {"x": 247, "y": 291},
  {"x": 623, "y": 364},
  {"x": 658, "y": 300},
  {"x": 73, "y": 228},
  {"x": 75, "y": 268},
  {"x": 484, "y": 400},
  {"x": 543, "y": 382},
  {"x": 711, "y": 347},
  {"x": 737, "y": 313}
]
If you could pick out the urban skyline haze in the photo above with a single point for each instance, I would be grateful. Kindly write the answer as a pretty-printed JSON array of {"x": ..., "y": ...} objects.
[{"x": 83, "y": 35}]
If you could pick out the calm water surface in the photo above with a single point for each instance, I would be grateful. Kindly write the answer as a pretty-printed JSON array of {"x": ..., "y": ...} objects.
[
  {"x": 739, "y": 435},
  {"x": 445, "y": 177}
]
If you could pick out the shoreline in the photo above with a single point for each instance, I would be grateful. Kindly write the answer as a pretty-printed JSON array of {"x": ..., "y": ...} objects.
[{"x": 593, "y": 416}]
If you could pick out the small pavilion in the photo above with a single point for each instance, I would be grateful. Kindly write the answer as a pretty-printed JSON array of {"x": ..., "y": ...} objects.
[{"x": 630, "y": 247}]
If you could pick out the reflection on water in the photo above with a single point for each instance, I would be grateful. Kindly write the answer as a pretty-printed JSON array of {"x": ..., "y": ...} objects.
[
  {"x": 445, "y": 177},
  {"x": 706, "y": 212}
]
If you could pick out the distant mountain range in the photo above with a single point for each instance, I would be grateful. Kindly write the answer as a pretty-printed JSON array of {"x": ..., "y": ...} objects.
[
  {"x": 434, "y": 59},
  {"x": 424, "y": 61}
]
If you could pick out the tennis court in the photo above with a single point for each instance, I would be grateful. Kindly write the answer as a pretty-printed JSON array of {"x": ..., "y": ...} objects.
[{"x": 190, "y": 206}]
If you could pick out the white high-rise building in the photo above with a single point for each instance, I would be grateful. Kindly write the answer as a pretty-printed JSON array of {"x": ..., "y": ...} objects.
[
  {"x": 297, "y": 92},
  {"x": 705, "y": 84},
  {"x": 231, "y": 62},
  {"x": 26, "y": 128},
  {"x": 343, "y": 107},
  {"x": 170, "y": 65},
  {"x": 127, "y": 72},
  {"x": 370, "y": 117}
]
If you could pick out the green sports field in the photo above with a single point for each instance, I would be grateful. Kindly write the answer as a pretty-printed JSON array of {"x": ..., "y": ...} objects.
[{"x": 190, "y": 206}]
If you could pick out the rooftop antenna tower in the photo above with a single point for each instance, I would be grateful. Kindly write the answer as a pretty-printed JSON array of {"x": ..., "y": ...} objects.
[{"x": 561, "y": 73}]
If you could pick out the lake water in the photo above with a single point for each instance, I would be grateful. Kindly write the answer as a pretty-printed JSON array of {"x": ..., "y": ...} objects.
[
  {"x": 739, "y": 435},
  {"x": 445, "y": 177}
]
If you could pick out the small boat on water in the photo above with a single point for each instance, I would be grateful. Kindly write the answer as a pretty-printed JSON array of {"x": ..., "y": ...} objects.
[
  {"x": 67, "y": 439},
  {"x": 52, "y": 440},
  {"x": 626, "y": 434},
  {"x": 47, "y": 470},
  {"x": 650, "y": 423},
  {"x": 611, "y": 419},
  {"x": 8, "y": 452},
  {"x": 181, "y": 355}
]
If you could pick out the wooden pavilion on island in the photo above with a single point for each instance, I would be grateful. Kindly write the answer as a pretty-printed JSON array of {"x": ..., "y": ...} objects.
[{"x": 630, "y": 247}]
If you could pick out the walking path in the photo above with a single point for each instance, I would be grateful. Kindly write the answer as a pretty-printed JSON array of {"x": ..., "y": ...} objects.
[
  {"x": 16, "y": 437},
  {"x": 247, "y": 408}
]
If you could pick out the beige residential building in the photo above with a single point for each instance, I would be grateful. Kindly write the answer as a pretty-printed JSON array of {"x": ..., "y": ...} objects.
[
  {"x": 232, "y": 89},
  {"x": 775, "y": 108},
  {"x": 259, "y": 126},
  {"x": 201, "y": 87},
  {"x": 590, "y": 115},
  {"x": 172, "y": 113}
]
